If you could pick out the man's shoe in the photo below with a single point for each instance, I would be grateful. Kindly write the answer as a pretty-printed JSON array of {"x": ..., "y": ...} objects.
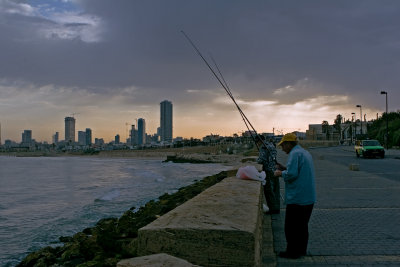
[{"x": 285, "y": 254}]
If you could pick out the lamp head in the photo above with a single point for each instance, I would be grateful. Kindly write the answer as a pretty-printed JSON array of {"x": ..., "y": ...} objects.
[
  {"x": 359, "y": 106},
  {"x": 383, "y": 93}
]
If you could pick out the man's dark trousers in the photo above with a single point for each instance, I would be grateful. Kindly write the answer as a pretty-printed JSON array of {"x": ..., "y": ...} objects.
[
  {"x": 272, "y": 192},
  {"x": 296, "y": 228}
]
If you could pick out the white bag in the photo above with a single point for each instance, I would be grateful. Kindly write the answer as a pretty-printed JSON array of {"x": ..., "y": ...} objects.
[{"x": 251, "y": 173}]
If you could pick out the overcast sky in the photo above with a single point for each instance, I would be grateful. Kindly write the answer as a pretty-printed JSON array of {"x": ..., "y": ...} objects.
[{"x": 288, "y": 64}]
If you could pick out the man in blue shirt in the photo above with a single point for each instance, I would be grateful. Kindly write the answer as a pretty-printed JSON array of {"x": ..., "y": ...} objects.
[{"x": 300, "y": 195}]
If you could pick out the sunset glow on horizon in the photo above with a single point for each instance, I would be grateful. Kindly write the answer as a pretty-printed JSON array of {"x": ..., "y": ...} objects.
[{"x": 110, "y": 63}]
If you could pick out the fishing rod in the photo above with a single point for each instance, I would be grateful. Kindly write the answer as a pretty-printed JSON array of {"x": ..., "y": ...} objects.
[
  {"x": 241, "y": 112},
  {"x": 228, "y": 90},
  {"x": 226, "y": 87}
]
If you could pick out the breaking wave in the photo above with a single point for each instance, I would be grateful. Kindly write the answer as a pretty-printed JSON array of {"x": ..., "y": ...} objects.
[{"x": 110, "y": 195}]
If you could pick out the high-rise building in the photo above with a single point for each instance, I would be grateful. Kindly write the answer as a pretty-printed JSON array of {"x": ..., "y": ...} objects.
[
  {"x": 27, "y": 137},
  {"x": 88, "y": 137},
  {"x": 70, "y": 129},
  {"x": 117, "y": 139},
  {"x": 55, "y": 138},
  {"x": 141, "y": 131},
  {"x": 166, "y": 120},
  {"x": 81, "y": 138},
  {"x": 133, "y": 136}
]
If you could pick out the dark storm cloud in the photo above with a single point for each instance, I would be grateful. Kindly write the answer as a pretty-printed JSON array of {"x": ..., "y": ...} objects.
[{"x": 312, "y": 47}]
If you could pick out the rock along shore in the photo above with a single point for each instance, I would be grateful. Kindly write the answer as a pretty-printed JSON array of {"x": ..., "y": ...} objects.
[{"x": 113, "y": 239}]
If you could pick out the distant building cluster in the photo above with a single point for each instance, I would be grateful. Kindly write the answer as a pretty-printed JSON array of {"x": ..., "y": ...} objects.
[
  {"x": 138, "y": 137},
  {"x": 345, "y": 131}
]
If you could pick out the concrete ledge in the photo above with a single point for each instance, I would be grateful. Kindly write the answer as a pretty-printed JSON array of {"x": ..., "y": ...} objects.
[
  {"x": 156, "y": 260},
  {"x": 222, "y": 226}
]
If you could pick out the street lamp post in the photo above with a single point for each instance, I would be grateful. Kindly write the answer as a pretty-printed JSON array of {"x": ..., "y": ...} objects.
[
  {"x": 354, "y": 126},
  {"x": 387, "y": 120},
  {"x": 359, "y": 106}
]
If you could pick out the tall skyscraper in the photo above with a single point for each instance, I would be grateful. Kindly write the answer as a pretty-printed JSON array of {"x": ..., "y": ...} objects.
[
  {"x": 133, "y": 136},
  {"x": 88, "y": 136},
  {"x": 81, "y": 138},
  {"x": 69, "y": 129},
  {"x": 166, "y": 120},
  {"x": 117, "y": 139},
  {"x": 141, "y": 131}
]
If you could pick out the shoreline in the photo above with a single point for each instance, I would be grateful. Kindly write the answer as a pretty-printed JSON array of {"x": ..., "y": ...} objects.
[
  {"x": 113, "y": 239},
  {"x": 195, "y": 155}
]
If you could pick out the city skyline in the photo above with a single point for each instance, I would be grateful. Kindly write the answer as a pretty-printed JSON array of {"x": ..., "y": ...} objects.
[
  {"x": 288, "y": 64},
  {"x": 166, "y": 119}
]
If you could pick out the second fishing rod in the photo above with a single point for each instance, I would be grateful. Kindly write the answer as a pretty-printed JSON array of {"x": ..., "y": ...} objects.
[{"x": 224, "y": 85}]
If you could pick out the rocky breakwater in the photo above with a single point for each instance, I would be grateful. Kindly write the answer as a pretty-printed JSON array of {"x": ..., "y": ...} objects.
[{"x": 113, "y": 239}]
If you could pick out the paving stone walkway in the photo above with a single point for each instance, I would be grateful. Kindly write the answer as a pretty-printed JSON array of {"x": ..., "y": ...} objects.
[{"x": 355, "y": 222}]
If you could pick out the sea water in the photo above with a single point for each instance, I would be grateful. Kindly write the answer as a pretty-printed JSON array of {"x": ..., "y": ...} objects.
[{"x": 43, "y": 198}]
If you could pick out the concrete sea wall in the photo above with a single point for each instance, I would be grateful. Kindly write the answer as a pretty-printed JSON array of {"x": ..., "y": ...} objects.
[{"x": 222, "y": 226}]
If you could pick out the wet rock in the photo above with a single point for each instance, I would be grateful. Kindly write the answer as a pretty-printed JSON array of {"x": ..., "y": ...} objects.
[
  {"x": 43, "y": 257},
  {"x": 128, "y": 246},
  {"x": 65, "y": 239},
  {"x": 183, "y": 159},
  {"x": 106, "y": 234}
]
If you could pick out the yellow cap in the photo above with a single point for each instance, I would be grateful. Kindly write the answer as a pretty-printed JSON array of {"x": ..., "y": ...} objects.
[{"x": 288, "y": 138}]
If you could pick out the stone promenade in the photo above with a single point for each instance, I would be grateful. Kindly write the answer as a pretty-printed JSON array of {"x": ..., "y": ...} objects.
[{"x": 355, "y": 222}]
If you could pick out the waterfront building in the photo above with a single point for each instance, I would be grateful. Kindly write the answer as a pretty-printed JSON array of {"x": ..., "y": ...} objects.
[
  {"x": 27, "y": 137},
  {"x": 8, "y": 143},
  {"x": 141, "y": 140},
  {"x": 116, "y": 140},
  {"x": 88, "y": 136},
  {"x": 55, "y": 138},
  {"x": 249, "y": 133},
  {"x": 99, "y": 141},
  {"x": 133, "y": 140},
  {"x": 166, "y": 120},
  {"x": 178, "y": 139},
  {"x": 70, "y": 129},
  {"x": 81, "y": 138}
]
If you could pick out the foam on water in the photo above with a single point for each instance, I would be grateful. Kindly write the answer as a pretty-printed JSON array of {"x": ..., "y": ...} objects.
[{"x": 114, "y": 193}]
